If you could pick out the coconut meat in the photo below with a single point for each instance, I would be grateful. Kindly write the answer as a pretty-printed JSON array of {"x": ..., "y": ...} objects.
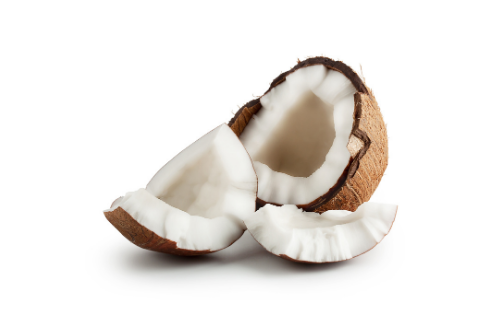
[
  {"x": 200, "y": 197},
  {"x": 298, "y": 139},
  {"x": 335, "y": 235}
]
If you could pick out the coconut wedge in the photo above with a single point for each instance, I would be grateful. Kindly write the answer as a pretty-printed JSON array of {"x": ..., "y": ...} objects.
[
  {"x": 336, "y": 235},
  {"x": 317, "y": 138},
  {"x": 196, "y": 203}
]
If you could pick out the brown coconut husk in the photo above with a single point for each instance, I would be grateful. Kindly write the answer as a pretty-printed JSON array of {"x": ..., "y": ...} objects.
[{"x": 367, "y": 143}]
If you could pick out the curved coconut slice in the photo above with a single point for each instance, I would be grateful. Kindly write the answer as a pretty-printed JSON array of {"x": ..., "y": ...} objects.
[
  {"x": 317, "y": 138},
  {"x": 335, "y": 235},
  {"x": 196, "y": 203}
]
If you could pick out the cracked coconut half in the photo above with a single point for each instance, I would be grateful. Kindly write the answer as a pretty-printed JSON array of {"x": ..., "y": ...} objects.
[
  {"x": 196, "y": 203},
  {"x": 317, "y": 138}
]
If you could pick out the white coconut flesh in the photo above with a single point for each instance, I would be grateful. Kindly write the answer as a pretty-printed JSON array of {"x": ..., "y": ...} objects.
[
  {"x": 200, "y": 197},
  {"x": 335, "y": 235},
  {"x": 298, "y": 139}
]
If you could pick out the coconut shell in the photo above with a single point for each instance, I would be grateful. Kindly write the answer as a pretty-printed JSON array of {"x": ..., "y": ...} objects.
[
  {"x": 367, "y": 143},
  {"x": 143, "y": 237}
]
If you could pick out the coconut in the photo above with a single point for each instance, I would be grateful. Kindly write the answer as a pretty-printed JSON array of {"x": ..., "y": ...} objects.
[
  {"x": 196, "y": 203},
  {"x": 335, "y": 235},
  {"x": 317, "y": 138}
]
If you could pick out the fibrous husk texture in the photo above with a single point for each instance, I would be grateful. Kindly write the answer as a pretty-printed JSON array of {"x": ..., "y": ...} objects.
[
  {"x": 372, "y": 159},
  {"x": 367, "y": 144}
]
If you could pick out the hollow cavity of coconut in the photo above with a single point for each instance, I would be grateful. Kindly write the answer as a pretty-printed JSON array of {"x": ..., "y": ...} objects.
[
  {"x": 317, "y": 138},
  {"x": 196, "y": 203}
]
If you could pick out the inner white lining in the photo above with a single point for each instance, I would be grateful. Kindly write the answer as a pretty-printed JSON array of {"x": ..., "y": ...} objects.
[
  {"x": 332, "y": 236},
  {"x": 200, "y": 198},
  {"x": 212, "y": 177},
  {"x": 197, "y": 190},
  {"x": 188, "y": 231},
  {"x": 271, "y": 146}
]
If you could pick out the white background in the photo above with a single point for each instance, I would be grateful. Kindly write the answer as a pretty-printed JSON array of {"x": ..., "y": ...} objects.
[{"x": 96, "y": 96}]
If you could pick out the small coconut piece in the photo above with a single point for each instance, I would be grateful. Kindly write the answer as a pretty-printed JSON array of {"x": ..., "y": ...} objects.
[
  {"x": 336, "y": 235},
  {"x": 317, "y": 138},
  {"x": 196, "y": 203}
]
